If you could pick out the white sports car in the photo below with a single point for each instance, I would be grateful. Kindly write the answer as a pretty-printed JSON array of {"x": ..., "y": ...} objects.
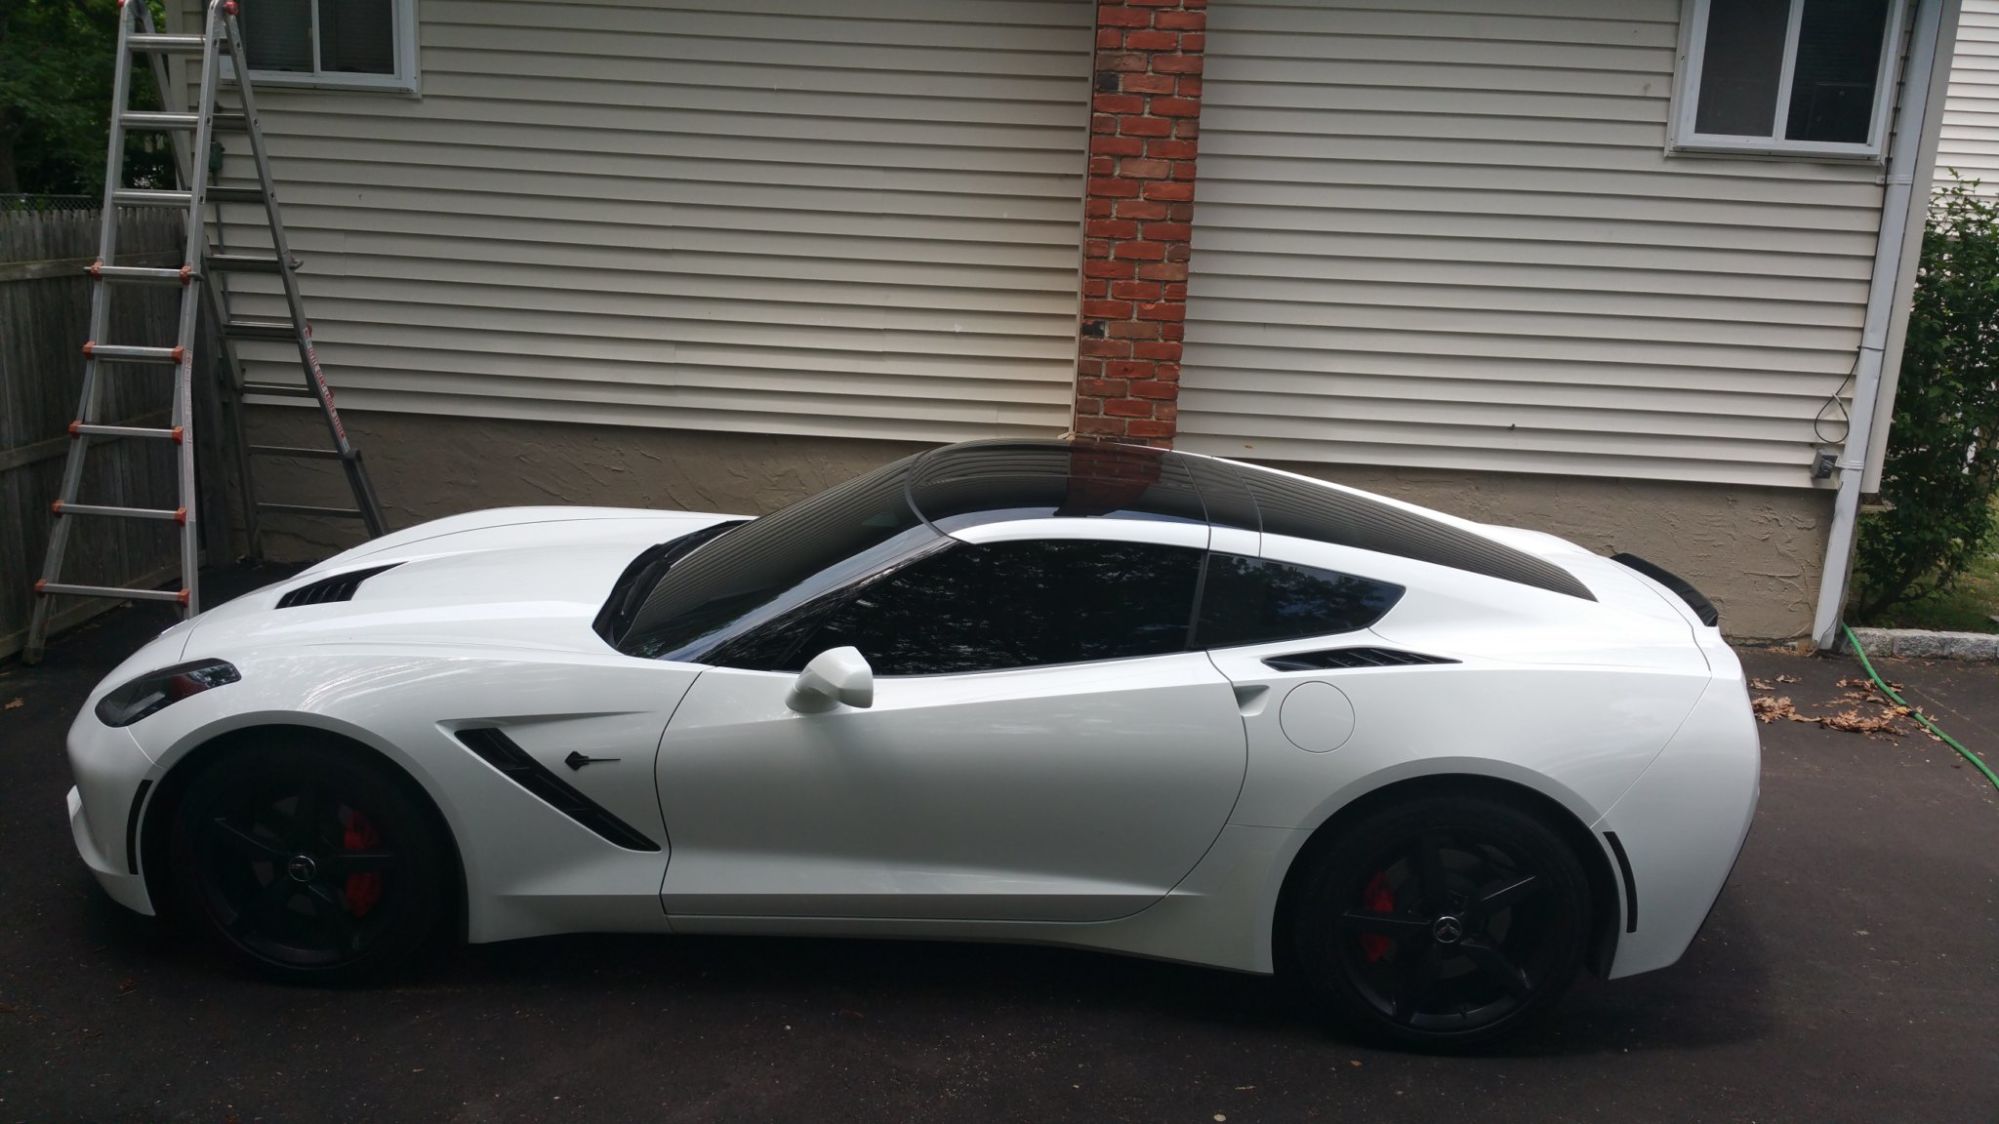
[{"x": 1089, "y": 695}]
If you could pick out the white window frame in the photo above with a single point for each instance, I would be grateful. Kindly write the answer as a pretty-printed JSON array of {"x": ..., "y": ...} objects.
[
  {"x": 1687, "y": 86},
  {"x": 403, "y": 81}
]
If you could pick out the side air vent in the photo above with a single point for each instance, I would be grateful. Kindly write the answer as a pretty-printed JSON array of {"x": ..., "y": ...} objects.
[
  {"x": 339, "y": 587},
  {"x": 502, "y": 753},
  {"x": 1341, "y": 658}
]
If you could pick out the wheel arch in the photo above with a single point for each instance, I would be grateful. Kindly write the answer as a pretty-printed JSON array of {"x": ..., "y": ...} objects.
[
  {"x": 1606, "y": 908},
  {"x": 157, "y": 815}
]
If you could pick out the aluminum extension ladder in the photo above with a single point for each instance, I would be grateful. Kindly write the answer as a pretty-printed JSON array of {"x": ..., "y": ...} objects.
[{"x": 203, "y": 274}]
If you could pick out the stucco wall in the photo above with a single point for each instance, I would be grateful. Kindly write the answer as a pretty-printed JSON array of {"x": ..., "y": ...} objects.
[{"x": 1755, "y": 551}]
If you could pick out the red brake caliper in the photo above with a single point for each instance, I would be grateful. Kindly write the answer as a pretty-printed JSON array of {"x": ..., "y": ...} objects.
[
  {"x": 363, "y": 890},
  {"x": 1378, "y": 897}
]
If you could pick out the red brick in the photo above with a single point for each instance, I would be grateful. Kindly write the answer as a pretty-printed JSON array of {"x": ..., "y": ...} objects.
[
  {"x": 1137, "y": 125},
  {"x": 1138, "y": 168},
  {"x": 1163, "y": 149},
  {"x": 1110, "y": 228},
  {"x": 1156, "y": 349},
  {"x": 1169, "y": 107},
  {"x": 1091, "y": 367},
  {"x": 1125, "y": 62},
  {"x": 1163, "y": 271},
  {"x": 1166, "y": 372},
  {"x": 1095, "y": 288},
  {"x": 1153, "y": 3},
  {"x": 1151, "y": 41},
  {"x": 1178, "y": 212},
  {"x": 1118, "y": 103},
  {"x": 1141, "y": 427},
  {"x": 1141, "y": 209},
  {"x": 1108, "y": 38},
  {"x": 1139, "y": 251},
  {"x": 1177, "y": 291},
  {"x": 1109, "y": 16},
  {"x": 1117, "y": 188},
  {"x": 1183, "y": 169},
  {"x": 1164, "y": 310},
  {"x": 1103, "y": 122},
  {"x": 1181, "y": 21},
  {"x": 1178, "y": 251},
  {"x": 1133, "y": 291},
  {"x": 1166, "y": 411},
  {"x": 1193, "y": 42},
  {"x": 1122, "y": 146},
  {"x": 1108, "y": 349},
  {"x": 1174, "y": 331},
  {"x": 1123, "y": 331},
  {"x": 1088, "y": 406},
  {"x": 1103, "y": 165},
  {"x": 1163, "y": 232},
  {"x": 1107, "y": 269},
  {"x": 1176, "y": 64},
  {"x": 1154, "y": 388},
  {"x": 1169, "y": 191},
  {"x": 1104, "y": 388},
  {"x": 1114, "y": 309},
  {"x": 1096, "y": 247},
  {"x": 1128, "y": 369},
  {"x": 1097, "y": 208},
  {"x": 1149, "y": 84},
  {"x": 1188, "y": 85},
  {"x": 1127, "y": 408}
]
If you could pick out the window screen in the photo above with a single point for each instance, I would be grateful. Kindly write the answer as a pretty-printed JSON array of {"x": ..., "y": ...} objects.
[
  {"x": 1794, "y": 73},
  {"x": 1255, "y": 601},
  {"x": 1019, "y": 604},
  {"x": 278, "y": 34},
  {"x": 350, "y": 36}
]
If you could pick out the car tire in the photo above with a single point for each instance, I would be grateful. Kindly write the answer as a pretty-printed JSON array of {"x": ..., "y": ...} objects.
[
  {"x": 1440, "y": 922},
  {"x": 309, "y": 863}
]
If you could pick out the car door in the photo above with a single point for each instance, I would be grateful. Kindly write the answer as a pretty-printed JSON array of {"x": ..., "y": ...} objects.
[{"x": 1041, "y": 745}]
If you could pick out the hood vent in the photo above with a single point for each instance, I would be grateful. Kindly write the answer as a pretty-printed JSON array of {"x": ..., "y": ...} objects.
[
  {"x": 1345, "y": 658},
  {"x": 339, "y": 587}
]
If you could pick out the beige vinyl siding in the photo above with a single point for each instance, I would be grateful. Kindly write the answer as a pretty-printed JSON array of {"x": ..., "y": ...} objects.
[
  {"x": 1969, "y": 142},
  {"x": 1452, "y": 238},
  {"x": 774, "y": 216}
]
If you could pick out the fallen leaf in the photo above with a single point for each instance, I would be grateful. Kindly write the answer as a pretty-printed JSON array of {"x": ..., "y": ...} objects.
[
  {"x": 127, "y": 986},
  {"x": 1760, "y": 685},
  {"x": 15, "y": 704},
  {"x": 1787, "y": 679},
  {"x": 1769, "y": 708}
]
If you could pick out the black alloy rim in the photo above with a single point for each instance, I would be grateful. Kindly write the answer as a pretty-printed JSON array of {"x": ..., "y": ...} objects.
[
  {"x": 300, "y": 877},
  {"x": 1448, "y": 932}
]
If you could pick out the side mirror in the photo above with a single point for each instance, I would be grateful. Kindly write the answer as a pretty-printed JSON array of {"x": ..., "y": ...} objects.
[{"x": 836, "y": 676}]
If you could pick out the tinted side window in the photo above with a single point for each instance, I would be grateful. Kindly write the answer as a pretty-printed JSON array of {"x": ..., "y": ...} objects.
[
  {"x": 1019, "y": 604},
  {"x": 1255, "y": 600}
]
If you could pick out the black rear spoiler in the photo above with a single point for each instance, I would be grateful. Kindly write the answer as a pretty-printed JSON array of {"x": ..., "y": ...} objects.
[{"x": 1703, "y": 608}]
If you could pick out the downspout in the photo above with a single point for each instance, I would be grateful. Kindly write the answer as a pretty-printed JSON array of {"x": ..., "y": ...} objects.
[{"x": 1903, "y": 209}]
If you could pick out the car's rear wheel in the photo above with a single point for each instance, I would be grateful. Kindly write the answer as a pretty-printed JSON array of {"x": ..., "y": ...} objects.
[
  {"x": 1443, "y": 921},
  {"x": 308, "y": 862}
]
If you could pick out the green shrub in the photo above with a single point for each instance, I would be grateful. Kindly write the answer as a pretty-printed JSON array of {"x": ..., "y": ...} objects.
[{"x": 1943, "y": 461}]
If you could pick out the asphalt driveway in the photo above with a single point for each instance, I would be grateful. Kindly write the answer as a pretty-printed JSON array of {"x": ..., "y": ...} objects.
[{"x": 1851, "y": 972}]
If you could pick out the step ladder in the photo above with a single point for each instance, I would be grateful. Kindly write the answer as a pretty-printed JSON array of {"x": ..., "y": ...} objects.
[{"x": 203, "y": 275}]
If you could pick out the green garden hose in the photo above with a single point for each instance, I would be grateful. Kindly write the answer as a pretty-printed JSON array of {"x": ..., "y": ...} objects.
[{"x": 1917, "y": 714}]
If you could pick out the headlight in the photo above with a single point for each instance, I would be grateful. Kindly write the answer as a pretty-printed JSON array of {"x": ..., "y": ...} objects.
[{"x": 158, "y": 690}]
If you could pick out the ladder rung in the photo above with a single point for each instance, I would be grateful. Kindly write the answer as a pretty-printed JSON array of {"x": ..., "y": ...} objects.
[
  {"x": 177, "y": 596},
  {"x": 235, "y": 194},
  {"x": 121, "y": 353},
  {"x": 147, "y": 275},
  {"x": 171, "y": 515},
  {"x": 155, "y": 42},
  {"x": 146, "y": 119},
  {"x": 82, "y": 429},
  {"x": 255, "y": 328},
  {"x": 285, "y": 390},
  {"x": 295, "y": 451},
  {"x": 307, "y": 509},
  {"x": 149, "y": 197},
  {"x": 245, "y": 263}
]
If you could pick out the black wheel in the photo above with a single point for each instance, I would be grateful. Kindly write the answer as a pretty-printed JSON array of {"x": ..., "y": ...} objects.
[
  {"x": 1441, "y": 922},
  {"x": 308, "y": 863}
]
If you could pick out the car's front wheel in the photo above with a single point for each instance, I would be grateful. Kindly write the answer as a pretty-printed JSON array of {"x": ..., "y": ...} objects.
[
  {"x": 308, "y": 862},
  {"x": 1442, "y": 921}
]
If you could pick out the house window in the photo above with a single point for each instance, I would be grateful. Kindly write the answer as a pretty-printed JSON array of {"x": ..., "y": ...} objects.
[
  {"x": 1787, "y": 77},
  {"x": 364, "y": 44}
]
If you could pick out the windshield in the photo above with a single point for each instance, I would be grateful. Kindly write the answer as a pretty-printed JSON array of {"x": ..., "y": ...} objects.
[{"x": 771, "y": 565}]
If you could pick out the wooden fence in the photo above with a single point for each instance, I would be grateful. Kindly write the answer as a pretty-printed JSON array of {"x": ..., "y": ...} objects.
[{"x": 44, "y": 320}]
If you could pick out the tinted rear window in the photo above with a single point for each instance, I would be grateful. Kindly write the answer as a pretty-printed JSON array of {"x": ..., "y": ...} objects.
[{"x": 1257, "y": 601}]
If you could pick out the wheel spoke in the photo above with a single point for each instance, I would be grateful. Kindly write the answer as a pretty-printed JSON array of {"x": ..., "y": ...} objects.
[
  {"x": 266, "y": 904},
  {"x": 245, "y": 841},
  {"x": 1417, "y": 979},
  {"x": 328, "y": 908},
  {"x": 1491, "y": 961},
  {"x": 1386, "y": 924},
  {"x": 341, "y": 863},
  {"x": 1509, "y": 894},
  {"x": 1430, "y": 868}
]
